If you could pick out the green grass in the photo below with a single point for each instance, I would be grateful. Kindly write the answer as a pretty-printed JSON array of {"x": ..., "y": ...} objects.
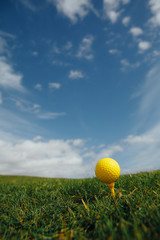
[{"x": 41, "y": 208}]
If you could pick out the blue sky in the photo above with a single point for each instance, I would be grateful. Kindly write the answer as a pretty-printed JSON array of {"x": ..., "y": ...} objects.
[{"x": 79, "y": 81}]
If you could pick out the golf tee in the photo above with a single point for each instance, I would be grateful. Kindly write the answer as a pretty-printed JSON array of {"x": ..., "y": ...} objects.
[{"x": 111, "y": 186}]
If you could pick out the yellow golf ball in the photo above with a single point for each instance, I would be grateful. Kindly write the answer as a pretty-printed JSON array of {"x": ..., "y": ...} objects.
[{"x": 107, "y": 170}]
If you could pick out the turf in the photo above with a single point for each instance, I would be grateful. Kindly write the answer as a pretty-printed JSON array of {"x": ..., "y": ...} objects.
[{"x": 41, "y": 208}]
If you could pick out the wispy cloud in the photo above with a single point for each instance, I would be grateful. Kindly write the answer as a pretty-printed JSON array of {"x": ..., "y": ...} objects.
[
  {"x": 37, "y": 138},
  {"x": 56, "y": 49},
  {"x": 60, "y": 63},
  {"x": 73, "y": 9},
  {"x": 150, "y": 97},
  {"x": 50, "y": 115},
  {"x": 35, "y": 109},
  {"x": 85, "y": 48},
  {"x": 53, "y": 85},
  {"x": 15, "y": 125},
  {"x": 75, "y": 74},
  {"x": 9, "y": 79},
  {"x": 84, "y": 51},
  {"x": 29, "y": 4},
  {"x": 112, "y": 9},
  {"x": 155, "y": 9},
  {"x": 1, "y": 100},
  {"x": 38, "y": 87},
  {"x": 61, "y": 51},
  {"x": 68, "y": 45},
  {"x": 76, "y": 142},
  {"x": 109, "y": 151},
  {"x": 114, "y": 51},
  {"x": 134, "y": 153},
  {"x": 126, "y": 64},
  {"x": 126, "y": 1},
  {"x": 141, "y": 151},
  {"x": 141, "y": 139},
  {"x": 25, "y": 105},
  {"x": 144, "y": 45},
  {"x": 6, "y": 34},
  {"x": 35, "y": 53},
  {"x": 126, "y": 21},
  {"x": 4, "y": 47},
  {"x": 136, "y": 31}
]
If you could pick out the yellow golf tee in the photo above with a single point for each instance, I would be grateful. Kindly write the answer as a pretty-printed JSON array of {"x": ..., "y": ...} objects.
[{"x": 111, "y": 186}]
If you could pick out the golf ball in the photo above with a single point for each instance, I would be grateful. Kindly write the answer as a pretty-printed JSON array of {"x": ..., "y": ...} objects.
[{"x": 107, "y": 170}]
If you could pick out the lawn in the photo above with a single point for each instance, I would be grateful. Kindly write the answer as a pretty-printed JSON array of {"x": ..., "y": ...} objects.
[{"x": 46, "y": 208}]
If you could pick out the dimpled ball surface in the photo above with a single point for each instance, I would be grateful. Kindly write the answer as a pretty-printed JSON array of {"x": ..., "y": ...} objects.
[{"x": 107, "y": 170}]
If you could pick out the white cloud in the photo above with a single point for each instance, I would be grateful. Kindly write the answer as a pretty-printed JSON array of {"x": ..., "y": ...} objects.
[
  {"x": 35, "y": 109},
  {"x": 56, "y": 49},
  {"x": 126, "y": 21},
  {"x": 50, "y": 115},
  {"x": 143, "y": 139},
  {"x": 111, "y": 4},
  {"x": 85, "y": 48},
  {"x": 113, "y": 16},
  {"x": 38, "y": 86},
  {"x": 112, "y": 9},
  {"x": 6, "y": 34},
  {"x": 54, "y": 85},
  {"x": 60, "y": 63},
  {"x": 25, "y": 105},
  {"x": 1, "y": 100},
  {"x": 6, "y": 37},
  {"x": 76, "y": 142},
  {"x": 67, "y": 158},
  {"x": 54, "y": 158},
  {"x": 126, "y": 64},
  {"x": 73, "y": 9},
  {"x": 134, "y": 153},
  {"x": 9, "y": 79},
  {"x": 35, "y": 53},
  {"x": 146, "y": 145},
  {"x": 144, "y": 45},
  {"x": 3, "y": 46},
  {"x": 155, "y": 9},
  {"x": 64, "y": 50},
  {"x": 141, "y": 159},
  {"x": 156, "y": 53},
  {"x": 68, "y": 45},
  {"x": 150, "y": 97},
  {"x": 114, "y": 51},
  {"x": 143, "y": 151},
  {"x": 136, "y": 31},
  {"x": 28, "y": 4},
  {"x": 37, "y": 138},
  {"x": 70, "y": 158},
  {"x": 13, "y": 125},
  {"x": 126, "y": 1},
  {"x": 75, "y": 74},
  {"x": 109, "y": 151}
]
